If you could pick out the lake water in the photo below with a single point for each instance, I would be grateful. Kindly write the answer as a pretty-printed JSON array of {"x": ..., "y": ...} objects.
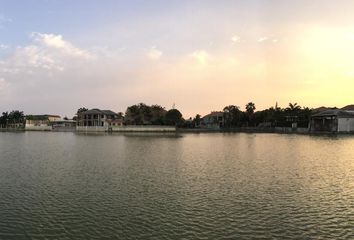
[{"x": 190, "y": 186}]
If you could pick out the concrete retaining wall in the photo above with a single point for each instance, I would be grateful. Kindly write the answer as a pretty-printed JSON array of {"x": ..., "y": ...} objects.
[
  {"x": 291, "y": 130},
  {"x": 91, "y": 129},
  {"x": 30, "y": 127},
  {"x": 143, "y": 129},
  {"x": 127, "y": 129}
]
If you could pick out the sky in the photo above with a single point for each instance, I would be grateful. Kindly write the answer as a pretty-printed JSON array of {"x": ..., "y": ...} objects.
[{"x": 197, "y": 55}]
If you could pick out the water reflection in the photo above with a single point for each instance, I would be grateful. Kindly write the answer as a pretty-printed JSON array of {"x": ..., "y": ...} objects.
[{"x": 189, "y": 186}]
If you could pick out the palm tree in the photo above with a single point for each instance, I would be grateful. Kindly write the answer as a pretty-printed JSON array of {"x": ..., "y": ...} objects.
[
  {"x": 250, "y": 107},
  {"x": 293, "y": 107},
  {"x": 293, "y": 110}
]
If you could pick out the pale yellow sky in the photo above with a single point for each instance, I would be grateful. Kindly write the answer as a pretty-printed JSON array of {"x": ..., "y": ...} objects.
[{"x": 198, "y": 55}]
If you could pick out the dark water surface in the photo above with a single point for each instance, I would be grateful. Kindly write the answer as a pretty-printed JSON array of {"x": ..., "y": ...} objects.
[{"x": 207, "y": 186}]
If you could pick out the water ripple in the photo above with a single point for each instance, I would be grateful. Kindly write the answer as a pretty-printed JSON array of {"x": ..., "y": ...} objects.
[{"x": 212, "y": 186}]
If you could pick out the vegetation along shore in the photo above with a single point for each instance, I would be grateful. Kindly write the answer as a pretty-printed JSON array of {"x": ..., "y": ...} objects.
[{"x": 143, "y": 117}]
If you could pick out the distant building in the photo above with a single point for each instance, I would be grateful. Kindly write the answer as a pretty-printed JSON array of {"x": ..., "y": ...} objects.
[
  {"x": 63, "y": 125},
  {"x": 333, "y": 120},
  {"x": 41, "y": 122},
  {"x": 98, "y": 118},
  {"x": 213, "y": 120},
  {"x": 53, "y": 118},
  {"x": 349, "y": 108}
]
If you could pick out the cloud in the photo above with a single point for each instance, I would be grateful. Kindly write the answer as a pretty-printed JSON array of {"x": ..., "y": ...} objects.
[
  {"x": 57, "y": 41},
  {"x": 48, "y": 52},
  {"x": 3, "y": 84},
  {"x": 3, "y": 47},
  {"x": 235, "y": 39},
  {"x": 36, "y": 57},
  {"x": 154, "y": 54},
  {"x": 51, "y": 69},
  {"x": 41, "y": 70},
  {"x": 262, "y": 39},
  {"x": 201, "y": 56},
  {"x": 4, "y": 20},
  {"x": 273, "y": 40}
]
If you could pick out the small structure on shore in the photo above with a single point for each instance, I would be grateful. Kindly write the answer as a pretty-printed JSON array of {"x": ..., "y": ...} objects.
[
  {"x": 41, "y": 122},
  {"x": 64, "y": 125},
  {"x": 214, "y": 120},
  {"x": 333, "y": 121}
]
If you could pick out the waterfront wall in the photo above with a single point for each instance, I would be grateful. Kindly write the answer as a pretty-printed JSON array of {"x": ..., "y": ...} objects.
[
  {"x": 249, "y": 130},
  {"x": 64, "y": 129},
  {"x": 143, "y": 129},
  {"x": 30, "y": 127},
  {"x": 91, "y": 129},
  {"x": 291, "y": 130},
  {"x": 126, "y": 129}
]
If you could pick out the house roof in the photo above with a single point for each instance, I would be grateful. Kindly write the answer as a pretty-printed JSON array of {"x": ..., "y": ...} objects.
[
  {"x": 108, "y": 112},
  {"x": 322, "y": 109},
  {"x": 42, "y": 117},
  {"x": 334, "y": 112},
  {"x": 214, "y": 114},
  {"x": 348, "y": 107},
  {"x": 99, "y": 111},
  {"x": 92, "y": 111}
]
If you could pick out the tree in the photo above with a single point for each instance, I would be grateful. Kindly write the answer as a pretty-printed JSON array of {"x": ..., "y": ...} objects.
[
  {"x": 173, "y": 117},
  {"x": 16, "y": 116},
  {"x": 141, "y": 113},
  {"x": 80, "y": 110},
  {"x": 120, "y": 115},
  {"x": 293, "y": 108},
  {"x": 158, "y": 115},
  {"x": 133, "y": 116},
  {"x": 197, "y": 120},
  {"x": 250, "y": 107},
  {"x": 232, "y": 115},
  {"x": 3, "y": 119}
]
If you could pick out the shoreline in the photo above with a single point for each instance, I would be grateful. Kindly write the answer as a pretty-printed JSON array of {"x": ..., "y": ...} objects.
[{"x": 300, "y": 131}]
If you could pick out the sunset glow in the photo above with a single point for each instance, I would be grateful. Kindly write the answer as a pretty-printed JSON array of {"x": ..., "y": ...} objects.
[{"x": 200, "y": 55}]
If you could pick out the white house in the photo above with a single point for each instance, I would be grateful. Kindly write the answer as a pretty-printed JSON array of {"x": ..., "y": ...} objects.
[
  {"x": 213, "y": 120},
  {"x": 333, "y": 120}
]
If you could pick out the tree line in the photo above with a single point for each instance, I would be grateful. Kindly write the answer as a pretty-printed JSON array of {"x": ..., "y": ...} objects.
[
  {"x": 272, "y": 117},
  {"x": 143, "y": 114},
  {"x": 233, "y": 116},
  {"x": 12, "y": 118}
]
